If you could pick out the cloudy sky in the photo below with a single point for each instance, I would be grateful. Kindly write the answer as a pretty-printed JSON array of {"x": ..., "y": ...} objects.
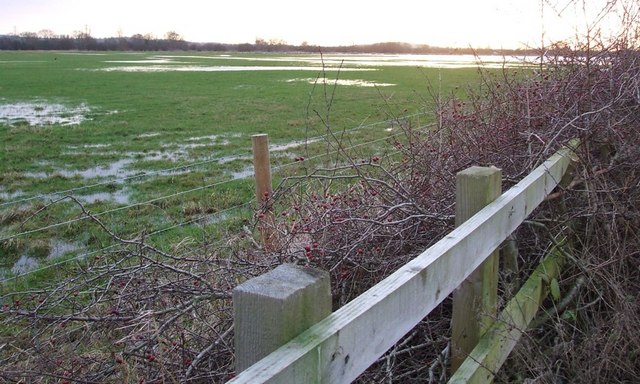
[{"x": 460, "y": 23}]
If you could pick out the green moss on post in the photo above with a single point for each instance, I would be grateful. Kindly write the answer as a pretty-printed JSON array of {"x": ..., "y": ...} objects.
[
  {"x": 500, "y": 339},
  {"x": 271, "y": 309}
]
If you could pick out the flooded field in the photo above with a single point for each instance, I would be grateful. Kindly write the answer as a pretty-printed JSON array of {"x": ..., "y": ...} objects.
[
  {"x": 41, "y": 112},
  {"x": 56, "y": 249},
  {"x": 148, "y": 141},
  {"x": 315, "y": 63}
]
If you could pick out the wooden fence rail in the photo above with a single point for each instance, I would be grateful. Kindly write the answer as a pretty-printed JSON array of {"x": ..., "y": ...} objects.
[{"x": 344, "y": 344}]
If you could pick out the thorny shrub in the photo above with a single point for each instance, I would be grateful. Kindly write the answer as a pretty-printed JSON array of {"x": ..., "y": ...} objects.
[{"x": 398, "y": 203}]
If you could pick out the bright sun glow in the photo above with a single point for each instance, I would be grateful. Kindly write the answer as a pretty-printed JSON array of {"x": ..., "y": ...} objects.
[{"x": 457, "y": 23}]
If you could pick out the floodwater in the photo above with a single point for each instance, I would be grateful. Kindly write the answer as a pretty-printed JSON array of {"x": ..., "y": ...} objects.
[
  {"x": 57, "y": 248},
  {"x": 40, "y": 113},
  {"x": 344, "y": 82},
  {"x": 246, "y": 172},
  {"x": 24, "y": 264},
  {"x": 315, "y": 63},
  {"x": 427, "y": 61},
  {"x": 124, "y": 168},
  {"x": 120, "y": 196},
  {"x": 116, "y": 169},
  {"x": 4, "y": 195}
]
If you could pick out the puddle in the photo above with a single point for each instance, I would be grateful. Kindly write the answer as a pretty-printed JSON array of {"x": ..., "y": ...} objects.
[
  {"x": 181, "y": 149},
  {"x": 4, "y": 195},
  {"x": 24, "y": 264},
  {"x": 40, "y": 113},
  {"x": 119, "y": 197},
  {"x": 57, "y": 248},
  {"x": 230, "y": 158},
  {"x": 429, "y": 61},
  {"x": 292, "y": 144},
  {"x": 150, "y": 134},
  {"x": 211, "y": 138},
  {"x": 357, "y": 83},
  {"x": 115, "y": 169},
  {"x": 243, "y": 174},
  {"x": 120, "y": 170},
  {"x": 215, "y": 218},
  {"x": 89, "y": 146},
  {"x": 146, "y": 61}
]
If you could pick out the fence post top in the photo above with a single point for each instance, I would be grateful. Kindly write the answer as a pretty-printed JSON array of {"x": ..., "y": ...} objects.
[
  {"x": 479, "y": 171},
  {"x": 282, "y": 280}
]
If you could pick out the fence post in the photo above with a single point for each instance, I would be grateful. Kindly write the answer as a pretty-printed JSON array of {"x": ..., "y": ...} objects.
[
  {"x": 262, "y": 170},
  {"x": 271, "y": 309},
  {"x": 475, "y": 300}
]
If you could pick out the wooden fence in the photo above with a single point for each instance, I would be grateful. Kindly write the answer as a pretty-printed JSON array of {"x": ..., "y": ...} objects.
[{"x": 281, "y": 342}]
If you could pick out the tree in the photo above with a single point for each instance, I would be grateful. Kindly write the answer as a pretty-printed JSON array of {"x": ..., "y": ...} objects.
[
  {"x": 173, "y": 36},
  {"x": 46, "y": 34},
  {"x": 29, "y": 35}
]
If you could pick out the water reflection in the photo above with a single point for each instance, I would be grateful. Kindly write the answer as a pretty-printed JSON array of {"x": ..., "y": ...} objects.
[
  {"x": 24, "y": 264},
  {"x": 121, "y": 196},
  {"x": 345, "y": 82},
  {"x": 40, "y": 113},
  {"x": 57, "y": 248},
  {"x": 382, "y": 60}
]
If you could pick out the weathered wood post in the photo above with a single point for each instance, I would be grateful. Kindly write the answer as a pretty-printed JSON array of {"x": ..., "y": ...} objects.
[
  {"x": 271, "y": 309},
  {"x": 262, "y": 169},
  {"x": 474, "y": 301}
]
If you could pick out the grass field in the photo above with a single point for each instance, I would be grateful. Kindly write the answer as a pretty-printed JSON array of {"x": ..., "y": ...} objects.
[{"x": 151, "y": 141}]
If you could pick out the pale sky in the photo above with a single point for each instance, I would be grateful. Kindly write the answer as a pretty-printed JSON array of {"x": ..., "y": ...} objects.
[{"x": 459, "y": 23}]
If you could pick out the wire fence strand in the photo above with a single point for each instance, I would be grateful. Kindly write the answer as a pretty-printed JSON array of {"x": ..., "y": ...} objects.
[
  {"x": 186, "y": 222},
  {"x": 144, "y": 174}
]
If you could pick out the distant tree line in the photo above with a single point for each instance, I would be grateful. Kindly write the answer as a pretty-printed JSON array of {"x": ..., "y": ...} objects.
[
  {"x": 83, "y": 41},
  {"x": 172, "y": 41}
]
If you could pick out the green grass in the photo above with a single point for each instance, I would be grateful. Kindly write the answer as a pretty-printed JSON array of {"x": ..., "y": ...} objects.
[{"x": 154, "y": 120}]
